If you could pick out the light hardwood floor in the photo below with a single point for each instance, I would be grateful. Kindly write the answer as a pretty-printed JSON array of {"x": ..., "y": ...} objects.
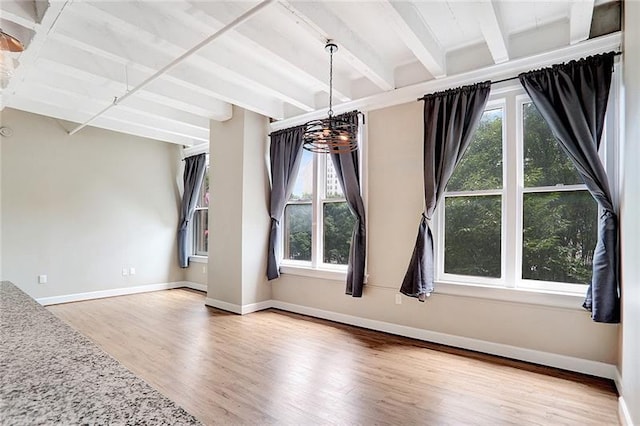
[{"x": 273, "y": 367}]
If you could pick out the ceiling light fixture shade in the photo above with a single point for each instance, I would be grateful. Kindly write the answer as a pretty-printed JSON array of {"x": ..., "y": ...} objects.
[
  {"x": 9, "y": 43},
  {"x": 330, "y": 135}
]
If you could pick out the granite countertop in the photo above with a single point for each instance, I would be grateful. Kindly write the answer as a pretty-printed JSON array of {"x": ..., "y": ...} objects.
[{"x": 51, "y": 374}]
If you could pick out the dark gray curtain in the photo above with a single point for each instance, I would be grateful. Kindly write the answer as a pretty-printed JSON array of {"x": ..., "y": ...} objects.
[
  {"x": 194, "y": 168},
  {"x": 285, "y": 157},
  {"x": 572, "y": 98},
  {"x": 450, "y": 121},
  {"x": 347, "y": 170}
]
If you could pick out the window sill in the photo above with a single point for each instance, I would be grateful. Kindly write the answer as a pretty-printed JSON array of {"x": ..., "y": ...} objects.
[
  {"x": 516, "y": 295},
  {"x": 307, "y": 271},
  {"x": 198, "y": 259}
]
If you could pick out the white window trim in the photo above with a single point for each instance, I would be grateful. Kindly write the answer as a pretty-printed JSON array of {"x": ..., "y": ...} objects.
[
  {"x": 511, "y": 287},
  {"x": 195, "y": 256},
  {"x": 439, "y": 216},
  {"x": 198, "y": 259},
  {"x": 314, "y": 268}
]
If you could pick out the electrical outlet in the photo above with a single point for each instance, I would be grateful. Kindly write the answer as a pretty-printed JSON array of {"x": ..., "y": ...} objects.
[
  {"x": 398, "y": 299},
  {"x": 125, "y": 272},
  {"x": 132, "y": 271},
  {"x": 42, "y": 279},
  {"x": 204, "y": 269}
]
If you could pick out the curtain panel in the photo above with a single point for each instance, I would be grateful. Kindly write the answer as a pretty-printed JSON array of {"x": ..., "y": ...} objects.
[
  {"x": 450, "y": 121},
  {"x": 572, "y": 98},
  {"x": 348, "y": 171},
  {"x": 194, "y": 169},
  {"x": 285, "y": 157}
]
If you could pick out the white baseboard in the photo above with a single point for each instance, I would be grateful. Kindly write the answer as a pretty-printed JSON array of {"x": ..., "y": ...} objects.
[
  {"x": 564, "y": 362},
  {"x": 238, "y": 309},
  {"x": 195, "y": 286},
  {"x": 225, "y": 306},
  {"x": 77, "y": 297},
  {"x": 623, "y": 413},
  {"x": 617, "y": 379}
]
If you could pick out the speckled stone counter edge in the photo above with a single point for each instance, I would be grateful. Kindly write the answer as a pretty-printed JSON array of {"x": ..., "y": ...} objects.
[{"x": 51, "y": 374}]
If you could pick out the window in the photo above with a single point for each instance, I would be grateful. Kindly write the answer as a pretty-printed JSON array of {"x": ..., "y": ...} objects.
[
  {"x": 559, "y": 215},
  {"x": 200, "y": 226},
  {"x": 515, "y": 212},
  {"x": 473, "y": 205},
  {"x": 318, "y": 223}
]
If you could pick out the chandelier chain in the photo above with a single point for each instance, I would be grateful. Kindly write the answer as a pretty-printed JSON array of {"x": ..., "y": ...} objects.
[{"x": 331, "y": 82}]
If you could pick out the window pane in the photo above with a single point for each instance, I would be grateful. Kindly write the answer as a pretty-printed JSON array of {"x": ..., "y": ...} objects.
[
  {"x": 303, "y": 188},
  {"x": 560, "y": 232},
  {"x": 338, "y": 225},
  {"x": 473, "y": 236},
  {"x": 332, "y": 187},
  {"x": 545, "y": 163},
  {"x": 203, "y": 196},
  {"x": 297, "y": 226},
  {"x": 201, "y": 231},
  {"x": 481, "y": 166}
]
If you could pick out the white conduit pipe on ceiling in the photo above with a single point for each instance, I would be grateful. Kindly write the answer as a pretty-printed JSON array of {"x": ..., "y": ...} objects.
[{"x": 231, "y": 25}]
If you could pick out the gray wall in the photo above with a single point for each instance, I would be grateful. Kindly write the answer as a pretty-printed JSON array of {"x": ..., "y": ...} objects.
[
  {"x": 196, "y": 273},
  {"x": 81, "y": 208},
  {"x": 394, "y": 208},
  {"x": 630, "y": 214}
]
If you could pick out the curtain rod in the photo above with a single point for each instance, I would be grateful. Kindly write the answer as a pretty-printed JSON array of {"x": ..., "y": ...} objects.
[{"x": 508, "y": 79}]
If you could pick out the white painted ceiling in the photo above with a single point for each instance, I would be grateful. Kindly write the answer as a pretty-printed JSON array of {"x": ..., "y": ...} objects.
[{"x": 80, "y": 55}]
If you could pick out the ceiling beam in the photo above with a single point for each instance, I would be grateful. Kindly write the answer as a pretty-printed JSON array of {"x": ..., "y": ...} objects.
[
  {"x": 270, "y": 46},
  {"x": 19, "y": 12},
  {"x": 66, "y": 90},
  {"x": 95, "y": 70},
  {"x": 410, "y": 27},
  {"x": 318, "y": 19},
  {"x": 38, "y": 106},
  {"x": 122, "y": 113},
  {"x": 175, "y": 39},
  {"x": 101, "y": 41},
  {"x": 580, "y": 20},
  {"x": 493, "y": 30},
  {"x": 29, "y": 56},
  {"x": 493, "y": 72}
]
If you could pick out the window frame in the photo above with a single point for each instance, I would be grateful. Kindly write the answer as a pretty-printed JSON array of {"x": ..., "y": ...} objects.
[
  {"x": 316, "y": 267},
  {"x": 513, "y": 99},
  {"x": 195, "y": 253},
  {"x": 440, "y": 216}
]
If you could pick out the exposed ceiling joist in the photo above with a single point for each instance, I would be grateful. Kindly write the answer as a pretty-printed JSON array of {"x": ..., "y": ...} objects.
[
  {"x": 319, "y": 19},
  {"x": 149, "y": 67},
  {"x": 102, "y": 42},
  {"x": 85, "y": 66},
  {"x": 493, "y": 30},
  {"x": 175, "y": 39},
  {"x": 60, "y": 87},
  {"x": 47, "y": 23},
  {"x": 22, "y": 13},
  {"x": 270, "y": 46},
  {"x": 122, "y": 114},
  {"x": 416, "y": 35},
  {"x": 37, "y": 106},
  {"x": 580, "y": 20}
]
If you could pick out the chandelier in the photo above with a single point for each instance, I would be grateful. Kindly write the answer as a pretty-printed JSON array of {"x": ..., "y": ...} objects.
[
  {"x": 330, "y": 135},
  {"x": 9, "y": 43}
]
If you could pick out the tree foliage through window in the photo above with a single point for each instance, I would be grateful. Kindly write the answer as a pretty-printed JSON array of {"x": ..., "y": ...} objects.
[{"x": 559, "y": 226}]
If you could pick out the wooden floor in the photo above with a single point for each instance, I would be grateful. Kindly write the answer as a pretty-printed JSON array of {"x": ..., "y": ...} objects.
[{"x": 273, "y": 367}]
